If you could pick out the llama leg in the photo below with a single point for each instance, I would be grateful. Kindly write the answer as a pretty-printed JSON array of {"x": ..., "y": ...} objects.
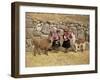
[
  {"x": 34, "y": 51},
  {"x": 39, "y": 51},
  {"x": 76, "y": 47},
  {"x": 84, "y": 46},
  {"x": 45, "y": 52}
]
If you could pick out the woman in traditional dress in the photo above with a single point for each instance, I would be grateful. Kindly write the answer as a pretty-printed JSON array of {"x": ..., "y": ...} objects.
[
  {"x": 55, "y": 38},
  {"x": 66, "y": 40}
]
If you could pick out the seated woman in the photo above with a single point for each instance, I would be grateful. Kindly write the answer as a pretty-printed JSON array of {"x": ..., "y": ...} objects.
[
  {"x": 66, "y": 40},
  {"x": 55, "y": 39}
]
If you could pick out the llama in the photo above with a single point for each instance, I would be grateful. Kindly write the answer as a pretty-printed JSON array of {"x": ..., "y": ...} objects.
[{"x": 41, "y": 45}]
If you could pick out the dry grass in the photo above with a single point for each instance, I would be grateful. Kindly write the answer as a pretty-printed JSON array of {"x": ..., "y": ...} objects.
[
  {"x": 59, "y": 17},
  {"x": 57, "y": 59}
]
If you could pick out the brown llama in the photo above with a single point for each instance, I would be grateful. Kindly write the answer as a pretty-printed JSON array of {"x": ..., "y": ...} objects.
[{"x": 40, "y": 45}]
